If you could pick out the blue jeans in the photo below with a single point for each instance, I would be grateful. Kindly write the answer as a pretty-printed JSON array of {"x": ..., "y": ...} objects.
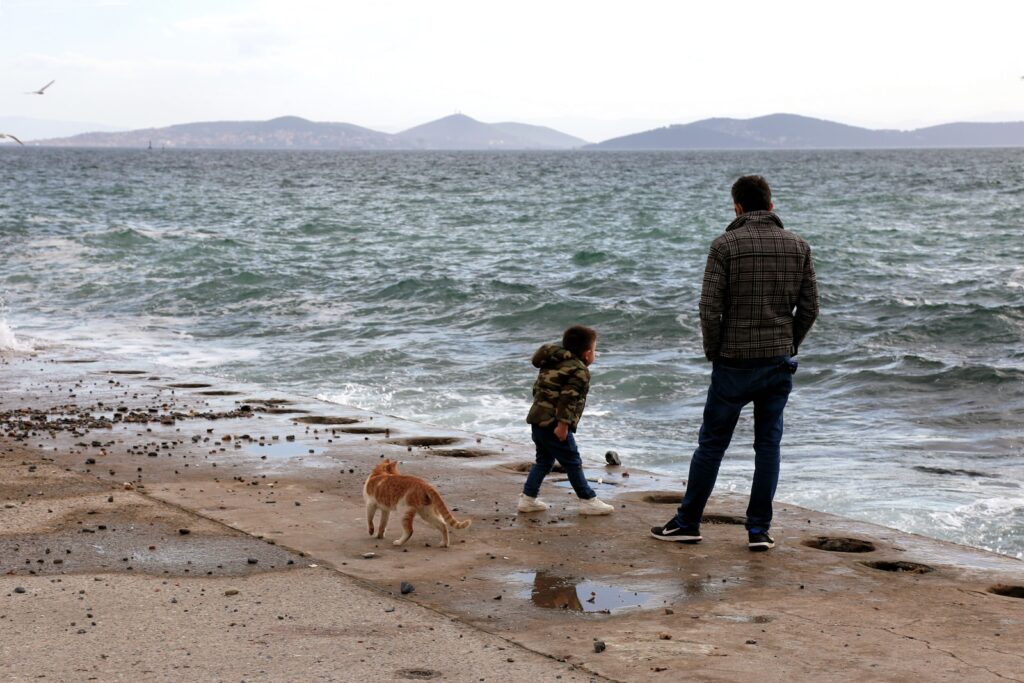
[
  {"x": 766, "y": 382},
  {"x": 550, "y": 449}
]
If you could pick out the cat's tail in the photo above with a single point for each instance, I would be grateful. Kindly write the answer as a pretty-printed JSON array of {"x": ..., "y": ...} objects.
[{"x": 446, "y": 514}]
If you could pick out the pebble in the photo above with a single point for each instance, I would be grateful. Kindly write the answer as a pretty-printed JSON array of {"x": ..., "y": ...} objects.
[
  {"x": 669, "y": 610},
  {"x": 407, "y": 588},
  {"x": 184, "y": 532},
  {"x": 612, "y": 458},
  {"x": 19, "y": 589},
  {"x": 599, "y": 646},
  {"x": 665, "y": 636},
  {"x": 231, "y": 591},
  {"x": 368, "y": 556},
  {"x": 252, "y": 560}
]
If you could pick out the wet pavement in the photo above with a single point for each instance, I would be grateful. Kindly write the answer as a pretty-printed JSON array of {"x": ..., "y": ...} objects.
[{"x": 835, "y": 600}]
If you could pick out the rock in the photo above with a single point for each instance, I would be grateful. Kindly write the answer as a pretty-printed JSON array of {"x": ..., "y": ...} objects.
[
  {"x": 407, "y": 588},
  {"x": 669, "y": 610},
  {"x": 231, "y": 591},
  {"x": 184, "y": 532},
  {"x": 751, "y": 642},
  {"x": 612, "y": 458},
  {"x": 665, "y": 636},
  {"x": 19, "y": 589},
  {"x": 252, "y": 560},
  {"x": 368, "y": 556},
  {"x": 599, "y": 646}
]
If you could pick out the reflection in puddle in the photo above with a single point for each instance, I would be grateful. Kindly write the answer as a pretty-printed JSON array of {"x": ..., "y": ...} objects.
[{"x": 579, "y": 595}]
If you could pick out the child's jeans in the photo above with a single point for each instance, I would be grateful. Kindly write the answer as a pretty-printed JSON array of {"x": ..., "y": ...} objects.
[{"x": 550, "y": 449}]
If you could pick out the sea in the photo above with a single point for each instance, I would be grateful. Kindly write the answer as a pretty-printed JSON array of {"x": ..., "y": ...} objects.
[{"x": 418, "y": 284}]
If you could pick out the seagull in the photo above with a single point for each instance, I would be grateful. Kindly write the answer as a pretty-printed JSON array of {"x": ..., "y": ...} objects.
[
  {"x": 8, "y": 135},
  {"x": 41, "y": 91}
]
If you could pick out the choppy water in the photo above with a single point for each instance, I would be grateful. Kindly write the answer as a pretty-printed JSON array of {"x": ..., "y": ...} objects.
[{"x": 418, "y": 284}]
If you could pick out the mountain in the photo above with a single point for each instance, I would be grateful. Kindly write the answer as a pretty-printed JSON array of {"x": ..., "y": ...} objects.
[
  {"x": 459, "y": 131},
  {"x": 292, "y": 132},
  {"x": 790, "y": 131},
  {"x": 542, "y": 136},
  {"x": 286, "y": 132}
]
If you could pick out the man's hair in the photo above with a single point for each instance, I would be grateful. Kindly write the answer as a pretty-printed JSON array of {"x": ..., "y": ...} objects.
[
  {"x": 578, "y": 339},
  {"x": 752, "y": 193}
]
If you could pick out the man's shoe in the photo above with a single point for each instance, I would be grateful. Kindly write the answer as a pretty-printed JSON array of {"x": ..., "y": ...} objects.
[
  {"x": 674, "y": 532},
  {"x": 595, "y": 506},
  {"x": 528, "y": 504},
  {"x": 760, "y": 541}
]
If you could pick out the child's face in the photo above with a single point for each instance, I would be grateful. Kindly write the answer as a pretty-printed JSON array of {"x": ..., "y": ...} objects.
[{"x": 590, "y": 354}]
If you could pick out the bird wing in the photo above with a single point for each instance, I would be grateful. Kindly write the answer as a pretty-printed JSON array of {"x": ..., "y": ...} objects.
[
  {"x": 40, "y": 91},
  {"x": 8, "y": 135}
]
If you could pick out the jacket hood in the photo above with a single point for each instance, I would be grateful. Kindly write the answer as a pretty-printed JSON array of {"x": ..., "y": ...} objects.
[{"x": 551, "y": 355}]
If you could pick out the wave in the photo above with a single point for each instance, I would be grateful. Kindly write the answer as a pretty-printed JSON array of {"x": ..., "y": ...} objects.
[{"x": 9, "y": 342}]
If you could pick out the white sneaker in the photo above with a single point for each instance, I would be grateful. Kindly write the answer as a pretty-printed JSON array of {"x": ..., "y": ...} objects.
[
  {"x": 527, "y": 504},
  {"x": 595, "y": 506}
]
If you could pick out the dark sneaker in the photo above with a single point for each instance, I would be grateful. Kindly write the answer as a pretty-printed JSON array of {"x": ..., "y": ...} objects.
[
  {"x": 674, "y": 532},
  {"x": 760, "y": 541}
]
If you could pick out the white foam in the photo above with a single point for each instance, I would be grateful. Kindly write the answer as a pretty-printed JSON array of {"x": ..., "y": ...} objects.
[{"x": 9, "y": 342}]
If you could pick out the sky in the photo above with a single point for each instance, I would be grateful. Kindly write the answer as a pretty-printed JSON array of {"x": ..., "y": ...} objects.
[{"x": 593, "y": 69}]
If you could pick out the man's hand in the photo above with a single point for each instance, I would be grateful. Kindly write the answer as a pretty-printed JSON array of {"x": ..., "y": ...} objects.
[{"x": 562, "y": 431}]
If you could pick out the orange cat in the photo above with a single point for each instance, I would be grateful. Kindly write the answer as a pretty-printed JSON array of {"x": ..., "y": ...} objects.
[{"x": 388, "y": 490}]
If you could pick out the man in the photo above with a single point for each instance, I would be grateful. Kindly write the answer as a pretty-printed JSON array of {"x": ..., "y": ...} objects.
[{"x": 758, "y": 301}]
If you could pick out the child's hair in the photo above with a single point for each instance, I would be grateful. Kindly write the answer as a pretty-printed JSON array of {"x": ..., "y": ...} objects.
[{"x": 578, "y": 339}]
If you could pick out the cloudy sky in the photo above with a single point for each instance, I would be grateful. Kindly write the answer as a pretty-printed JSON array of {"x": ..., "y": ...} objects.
[{"x": 594, "y": 69}]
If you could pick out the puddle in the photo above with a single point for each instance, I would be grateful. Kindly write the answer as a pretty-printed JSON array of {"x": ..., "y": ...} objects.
[
  {"x": 326, "y": 420},
  {"x": 110, "y": 544},
  {"x": 363, "y": 430},
  {"x": 900, "y": 566},
  {"x": 663, "y": 498},
  {"x": 463, "y": 452},
  {"x": 218, "y": 392},
  {"x": 189, "y": 385},
  {"x": 553, "y": 591},
  {"x": 723, "y": 519},
  {"x": 525, "y": 467},
  {"x": 1007, "y": 591},
  {"x": 840, "y": 545},
  {"x": 427, "y": 441},
  {"x": 418, "y": 674}
]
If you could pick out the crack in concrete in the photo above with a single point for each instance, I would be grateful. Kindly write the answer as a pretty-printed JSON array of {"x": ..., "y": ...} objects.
[{"x": 954, "y": 656}]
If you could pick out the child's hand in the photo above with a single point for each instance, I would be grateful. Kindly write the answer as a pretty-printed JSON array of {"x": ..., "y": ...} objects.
[{"x": 562, "y": 431}]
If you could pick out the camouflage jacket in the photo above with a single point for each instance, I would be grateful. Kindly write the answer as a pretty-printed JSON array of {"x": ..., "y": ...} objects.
[{"x": 560, "y": 392}]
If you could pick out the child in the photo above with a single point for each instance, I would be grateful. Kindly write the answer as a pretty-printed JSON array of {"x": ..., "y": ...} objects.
[{"x": 559, "y": 396}]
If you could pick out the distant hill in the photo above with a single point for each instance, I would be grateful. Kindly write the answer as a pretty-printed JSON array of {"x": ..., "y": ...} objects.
[
  {"x": 286, "y": 132},
  {"x": 292, "y": 132},
  {"x": 790, "y": 131},
  {"x": 459, "y": 131}
]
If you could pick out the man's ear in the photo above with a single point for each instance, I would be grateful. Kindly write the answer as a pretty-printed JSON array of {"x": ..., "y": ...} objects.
[
  {"x": 739, "y": 209},
  {"x": 771, "y": 206}
]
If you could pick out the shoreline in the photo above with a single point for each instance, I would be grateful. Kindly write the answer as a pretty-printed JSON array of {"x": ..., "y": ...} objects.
[{"x": 539, "y": 583}]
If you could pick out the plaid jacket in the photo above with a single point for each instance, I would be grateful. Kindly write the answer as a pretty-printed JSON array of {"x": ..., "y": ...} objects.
[{"x": 760, "y": 295}]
